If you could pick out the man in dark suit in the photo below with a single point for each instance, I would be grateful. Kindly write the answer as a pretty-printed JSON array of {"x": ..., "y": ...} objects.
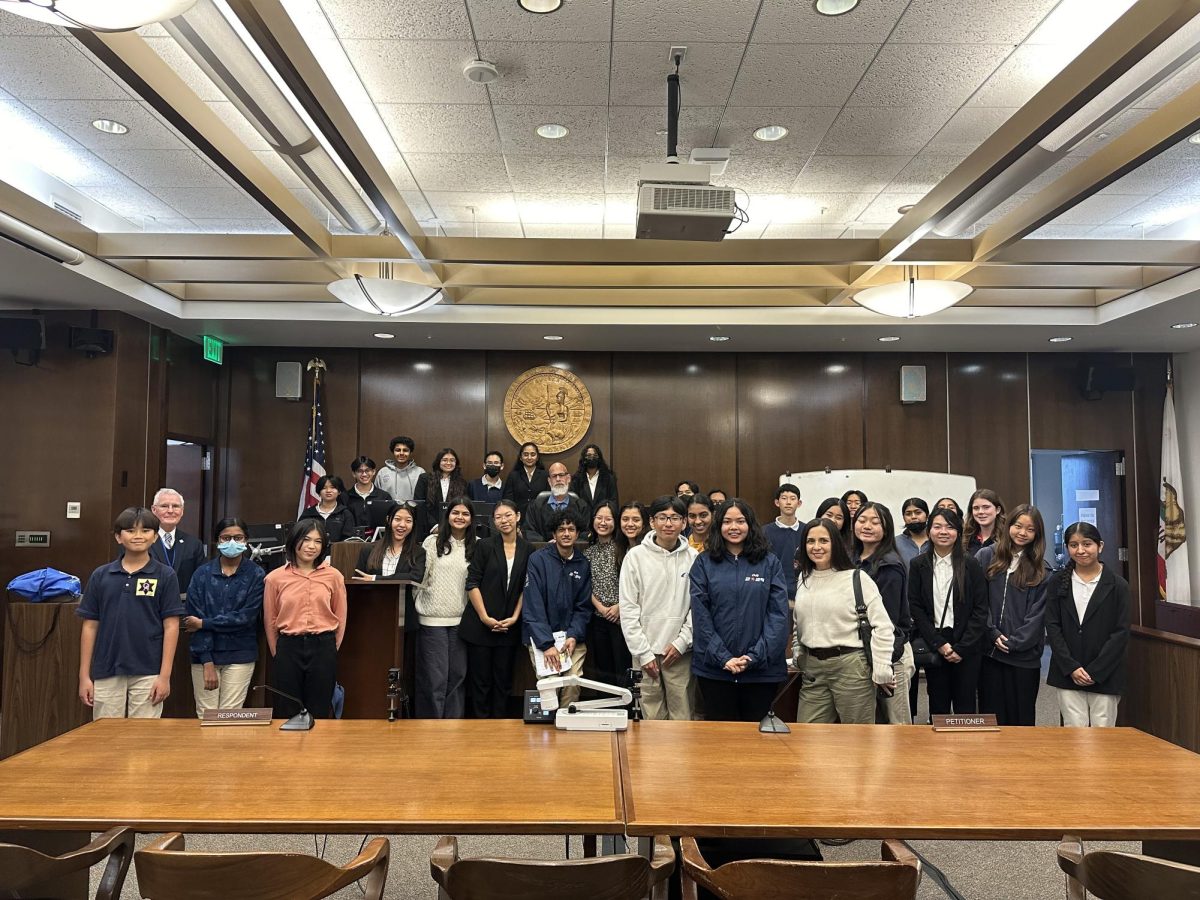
[
  {"x": 536, "y": 523},
  {"x": 181, "y": 551}
]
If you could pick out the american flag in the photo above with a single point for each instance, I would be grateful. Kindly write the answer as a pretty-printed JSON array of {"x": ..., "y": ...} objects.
[{"x": 314, "y": 461}]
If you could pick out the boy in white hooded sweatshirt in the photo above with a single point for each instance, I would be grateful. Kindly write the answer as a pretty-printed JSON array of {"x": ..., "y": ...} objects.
[{"x": 656, "y": 612}]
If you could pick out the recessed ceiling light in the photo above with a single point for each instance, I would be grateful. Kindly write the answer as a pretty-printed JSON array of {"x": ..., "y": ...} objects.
[
  {"x": 1184, "y": 325},
  {"x": 1195, "y": 138},
  {"x": 834, "y": 7},
  {"x": 108, "y": 126},
  {"x": 384, "y": 336},
  {"x": 888, "y": 339},
  {"x": 905, "y": 209},
  {"x": 1061, "y": 339},
  {"x": 770, "y": 133},
  {"x": 552, "y": 131},
  {"x": 718, "y": 338},
  {"x": 835, "y": 369},
  {"x": 551, "y": 337},
  {"x": 541, "y": 7},
  {"x": 1103, "y": 136},
  {"x": 423, "y": 366}
]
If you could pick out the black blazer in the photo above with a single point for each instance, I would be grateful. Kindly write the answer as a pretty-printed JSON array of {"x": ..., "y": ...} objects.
[
  {"x": 606, "y": 489},
  {"x": 521, "y": 489},
  {"x": 413, "y": 572},
  {"x": 187, "y": 555},
  {"x": 488, "y": 572},
  {"x": 428, "y": 492},
  {"x": 1099, "y": 643},
  {"x": 970, "y": 604}
]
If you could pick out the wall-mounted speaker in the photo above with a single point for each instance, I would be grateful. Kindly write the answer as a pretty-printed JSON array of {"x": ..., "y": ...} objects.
[
  {"x": 25, "y": 336},
  {"x": 92, "y": 342},
  {"x": 289, "y": 380},
  {"x": 912, "y": 384}
]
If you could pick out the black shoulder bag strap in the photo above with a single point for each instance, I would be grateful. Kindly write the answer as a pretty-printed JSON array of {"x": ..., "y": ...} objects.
[{"x": 864, "y": 624}]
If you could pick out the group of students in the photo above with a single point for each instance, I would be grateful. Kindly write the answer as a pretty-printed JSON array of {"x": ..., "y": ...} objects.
[{"x": 709, "y": 606}]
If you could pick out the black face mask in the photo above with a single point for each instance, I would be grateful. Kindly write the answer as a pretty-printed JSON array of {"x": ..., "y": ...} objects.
[
  {"x": 492, "y": 471},
  {"x": 591, "y": 462},
  {"x": 916, "y": 527}
]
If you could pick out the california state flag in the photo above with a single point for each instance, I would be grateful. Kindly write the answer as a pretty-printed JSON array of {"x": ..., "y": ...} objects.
[{"x": 1174, "y": 581}]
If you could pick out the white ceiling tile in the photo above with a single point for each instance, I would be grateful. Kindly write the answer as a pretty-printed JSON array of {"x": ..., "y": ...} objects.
[
  {"x": 792, "y": 22},
  {"x": 804, "y": 74},
  {"x": 633, "y": 130},
  {"x": 1158, "y": 175},
  {"x": 924, "y": 172},
  {"x": 806, "y": 126},
  {"x": 1157, "y": 211},
  {"x": 746, "y": 231},
  {"x": 809, "y": 209},
  {"x": 792, "y": 231},
  {"x": 239, "y": 226},
  {"x": 577, "y": 21},
  {"x": 620, "y": 232},
  {"x": 683, "y": 21},
  {"x": 75, "y": 117},
  {"x": 53, "y": 68},
  {"x": 132, "y": 202},
  {"x": 1099, "y": 209},
  {"x": 441, "y": 127},
  {"x": 465, "y": 206},
  {"x": 417, "y": 205},
  {"x": 1020, "y": 76},
  {"x": 482, "y": 229},
  {"x": 564, "y": 230},
  {"x": 1108, "y": 232},
  {"x": 858, "y": 230},
  {"x": 458, "y": 172},
  {"x": 640, "y": 70},
  {"x": 1188, "y": 76},
  {"x": 567, "y": 209},
  {"x": 621, "y": 178},
  {"x": 564, "y": 174},
  {"x": 872, "y": 130},
  {"x": 549, "y": 74},
  {"x": 209, "y": 203},
  {"x": 1054, "y": 231},
  {"x": 885, "y": 208},
  {"x": 937, "y": 74},
  {"x": 970, "y": 21},
  {"x": 761, "y": 174},
  {"x": 586, "y": 126},
  {"x": 415, "y": 71},
  {"x": 172, "y": 226},
  {"x": 240, "y": 126},
  {"x": 620, "y": 209},
  {"x": 854, "y": 174},
  {"x": 398, "y": 20},
  {"x": 21, "y": 25},
  {"x": 967, "y": 129},
  {"x": 165, "y": 168},
  {"x": 177, "y": 58}
]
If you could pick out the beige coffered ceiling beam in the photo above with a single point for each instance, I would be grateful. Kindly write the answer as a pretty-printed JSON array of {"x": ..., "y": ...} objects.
[
  {"x": 272, "y": 28},
  {"x": 136, "y": 63},
  {"x": 236, "y": 271},
  {"x": 1160, "y": 130},
  {"x": 1051, "y": 276},
  {"x": 620, "y": 276},
  {"x": 1136, "y": 33},
  {"x": 46, "y": 218},
  {"x": 201, "y": 246},
  {"x": 284, "y": 293},
  {"x": 662, "y": 297},
  {"x": 1100, "y": 253},
  {"x": 1043, "y": 297}
]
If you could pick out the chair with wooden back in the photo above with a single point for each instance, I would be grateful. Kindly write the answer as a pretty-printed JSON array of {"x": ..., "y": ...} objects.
[
  {"x": 166, "y": 872},
  {"x": 1110, "y": 875},
  {"x": 895, "y": 877},
  {"x": 625, "y": 876},
  {"x": 25, "y": 872}
]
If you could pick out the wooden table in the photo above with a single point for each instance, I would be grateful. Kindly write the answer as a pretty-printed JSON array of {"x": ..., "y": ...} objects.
[
  {"x": 347, "y": 776},
  {"x": 875, "y": 781}
]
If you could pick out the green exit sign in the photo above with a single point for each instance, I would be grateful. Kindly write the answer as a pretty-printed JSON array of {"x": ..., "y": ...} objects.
[{"x": 214, "y": 349}]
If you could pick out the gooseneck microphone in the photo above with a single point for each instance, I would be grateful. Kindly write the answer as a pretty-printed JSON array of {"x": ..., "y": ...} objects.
[
  {"x": 772, "y": 724},
  {"x": 302, "y": 721}
]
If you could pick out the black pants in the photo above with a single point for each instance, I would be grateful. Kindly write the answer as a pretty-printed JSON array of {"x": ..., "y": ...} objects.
[
  {"x": 952, "y": 686},
  {"x": 729, "y": 701},
  {"x": 1009, "y": 691},
  {"x": 607, "y": 650},
  {"x": 489, "y": 679},
  {"x": 305, "y": 666}
]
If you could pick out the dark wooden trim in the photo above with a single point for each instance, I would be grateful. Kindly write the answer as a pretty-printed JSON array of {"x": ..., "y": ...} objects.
[{"x": 1173, "y": 618}]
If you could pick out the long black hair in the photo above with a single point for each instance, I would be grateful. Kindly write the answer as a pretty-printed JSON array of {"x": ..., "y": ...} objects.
[
  {"x": 1031, "y": 569},
  {"x": 846, "y": 531},
  {"x": 839, "y": 556},
  {"x": 443, "y": 535},
  {"x": 958, "y": 509},
  {"x": 602, "y": 467},
  {"x": 1084, "y": 530},
  {"x": 958, "y": 555},
  {"x": 887, "y": 544},
  {"x": 408, "y": 549},
  {"x": 756, "y": 547},
  {"x": 619, "y": 538}
]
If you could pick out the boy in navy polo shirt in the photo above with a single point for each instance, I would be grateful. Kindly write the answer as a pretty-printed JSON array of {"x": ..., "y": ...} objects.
[{"x": 131, "y": 611}]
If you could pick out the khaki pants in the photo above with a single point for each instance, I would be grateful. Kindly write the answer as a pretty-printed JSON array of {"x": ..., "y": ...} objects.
[
  {"x": 836, "y": 688},
  {"x": 123, "y": 697},
  {"x": 673, "y": 694},
  {"x": 233, "y": 683},
  {"x": 1084, "y": 709},
  {"x": 567, "y": 695},
  {"x": 898, "y": 711}
]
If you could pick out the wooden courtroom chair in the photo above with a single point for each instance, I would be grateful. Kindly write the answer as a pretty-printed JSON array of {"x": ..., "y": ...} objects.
[
  {"x": 894, "y": 878},
  {"x": 1109, "y": 875},
  {"x": 166, "y": 872},
  {"x": 625, "y": 876},
  {"x": 25, "y": 872}
]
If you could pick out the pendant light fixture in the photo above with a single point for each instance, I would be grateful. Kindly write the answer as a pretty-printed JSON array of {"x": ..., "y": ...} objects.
[
  {"x": 98, "y": 15},
  {"x": 385, "y": 296},
  {"x": 913, "y": 297}
]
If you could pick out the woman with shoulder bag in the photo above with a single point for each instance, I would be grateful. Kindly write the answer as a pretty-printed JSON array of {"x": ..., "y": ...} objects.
[
  {"x": 947, "y": 592},
  {"x": 836, "y": 607}
]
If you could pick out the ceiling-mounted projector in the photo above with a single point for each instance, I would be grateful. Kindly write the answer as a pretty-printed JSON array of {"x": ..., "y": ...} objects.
[{"x": 676, "y": 203}]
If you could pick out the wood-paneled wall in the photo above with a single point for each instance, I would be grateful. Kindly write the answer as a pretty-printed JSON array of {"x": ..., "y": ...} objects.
[
  {"x": 730, "y": 420},
  {"x": 1164, "y": 670}
]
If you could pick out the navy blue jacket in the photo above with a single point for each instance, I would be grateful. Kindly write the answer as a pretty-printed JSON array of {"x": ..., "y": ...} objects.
[
  {"x": 739, "y": 608},
  {"x": 482, "y": 493},
  {"x": 558, "y": 597},
  {"x": 890, "y": 577},
  {"x": 230, "y": 607},
  {"x": 785, "y": 542},
  {"x": 1017, "y": 613}
]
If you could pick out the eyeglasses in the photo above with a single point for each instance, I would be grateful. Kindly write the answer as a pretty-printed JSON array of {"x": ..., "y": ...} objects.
[{"x": 665, "y": 519}]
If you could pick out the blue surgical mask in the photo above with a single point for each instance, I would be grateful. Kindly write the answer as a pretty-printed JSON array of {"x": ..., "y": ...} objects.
[{"x": 231, "y": 549}]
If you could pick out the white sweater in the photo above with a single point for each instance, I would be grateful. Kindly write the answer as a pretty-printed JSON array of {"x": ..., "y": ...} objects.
[
  {"x": 655, "y": 599},
  {"x": 825, "y": 617},
  {"x": 442, "y": 596}
]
